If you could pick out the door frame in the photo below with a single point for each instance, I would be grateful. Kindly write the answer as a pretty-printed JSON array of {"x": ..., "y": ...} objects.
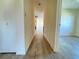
[{"x": 57, "y": 29}]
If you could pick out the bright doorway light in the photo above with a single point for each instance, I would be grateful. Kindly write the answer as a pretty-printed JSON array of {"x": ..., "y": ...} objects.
[{"x": 39, "y": 21}]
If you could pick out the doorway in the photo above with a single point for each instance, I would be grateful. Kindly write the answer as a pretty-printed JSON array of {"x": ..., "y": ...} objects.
[
  {"x": 68, "y": 38},
  {"x": 39, "y": 15}
]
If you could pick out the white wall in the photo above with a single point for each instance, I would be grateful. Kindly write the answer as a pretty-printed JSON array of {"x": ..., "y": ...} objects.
[
  {"x": 50, "y": 21},
  {"x": 29, "y": 22},
  {"x": 67, "y": 24},
  {"x": 20, "y": 41}
]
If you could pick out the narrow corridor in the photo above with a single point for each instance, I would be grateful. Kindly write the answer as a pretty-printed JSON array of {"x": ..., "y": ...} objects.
[{"x": 39, "y": 48}]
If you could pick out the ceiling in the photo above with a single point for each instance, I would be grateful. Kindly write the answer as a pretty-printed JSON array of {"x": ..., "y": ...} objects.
[
  {"x": 74, "y": 4},
  {"x": 39, "y": 6},
  {"x": 71, "y": 4}
]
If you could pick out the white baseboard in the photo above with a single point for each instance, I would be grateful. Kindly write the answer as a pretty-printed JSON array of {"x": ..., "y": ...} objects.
[
  {"x": 20, "y": 53},
  {"x": 74, "y": 35},
  {"x": 67, "y": 35}
]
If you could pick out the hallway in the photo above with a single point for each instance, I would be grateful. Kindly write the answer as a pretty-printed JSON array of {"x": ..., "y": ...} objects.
[{"x": 39, "y": 48}]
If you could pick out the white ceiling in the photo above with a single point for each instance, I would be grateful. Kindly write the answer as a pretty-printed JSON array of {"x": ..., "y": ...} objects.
[
  {"x": 74, "y": 4},
  {"x": 40, "y": 7}
]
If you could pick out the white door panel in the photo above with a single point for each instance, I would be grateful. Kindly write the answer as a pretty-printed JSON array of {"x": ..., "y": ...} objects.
[{"x": 7, "y": 27}]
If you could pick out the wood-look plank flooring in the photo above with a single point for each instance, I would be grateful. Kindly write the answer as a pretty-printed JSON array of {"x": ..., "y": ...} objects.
[
  {"x": 40, "y": 49},
  {"x": 69, "y": 47}
]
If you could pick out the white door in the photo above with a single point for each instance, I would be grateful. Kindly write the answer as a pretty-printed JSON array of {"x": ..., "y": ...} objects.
[
  {"x": 7, "y": 27},
  {"x": 7, "y": 36}
]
